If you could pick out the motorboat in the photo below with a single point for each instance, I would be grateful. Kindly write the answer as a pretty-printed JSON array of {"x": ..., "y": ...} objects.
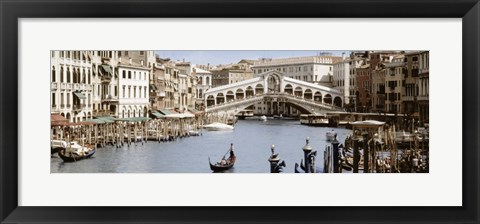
[
  {"x": 263, "y": 118},
  {"x": 216, "y": 126},
  {"x": 314, "y": 120}
]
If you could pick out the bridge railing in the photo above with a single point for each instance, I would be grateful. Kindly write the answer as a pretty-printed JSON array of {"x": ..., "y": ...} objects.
[
  {"x": 302, "y": 99},
  {"x": 248, "y": 99},
  {"x": 252, "y": 99}
]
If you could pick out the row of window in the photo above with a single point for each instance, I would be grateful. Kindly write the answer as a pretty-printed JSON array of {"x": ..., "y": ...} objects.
[
  {"x": 290, "y": 69},
  {"x": 137, "y": 91},
  {"x": 79, "y": 76},
  {"x": 130, "y": 75},
  {"x": 66, "y": 97}
]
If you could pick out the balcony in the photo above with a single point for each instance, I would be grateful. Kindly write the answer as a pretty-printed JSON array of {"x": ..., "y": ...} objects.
[
  {"x": 422, "y": 98},
  {"x": 62, "y": 105},
  {"x": 68, "y": 105},
  {"x": 408, "y": 98},
  {"x": 100, "y": 113},
  {"x": 54, "y": 86},
  {"x": 109, "y": 98},
  {"x": 77, "y": 107},
  {"x": 63, "y": 86},
  {"x": 423, "y": 71},
  {"x": 69, "y": 86},
  {"x": 106, "y": 79}
]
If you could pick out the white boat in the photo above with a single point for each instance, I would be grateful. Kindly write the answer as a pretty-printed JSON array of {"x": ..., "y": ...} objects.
[
  {"x": 58, "y": 144},
  {"x": 331, "y": 135},
  {"x": 193, "y": 133},
  {"x": 314, "y": 119},
  {"x": 263, "y": 118},
  {"x": 218, "y": 127},
  {"x": 77, "y": 148}
]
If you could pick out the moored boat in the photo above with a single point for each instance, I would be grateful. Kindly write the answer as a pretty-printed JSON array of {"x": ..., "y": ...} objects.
[
  {"x": 75, "y": 152},
  {"x": 218, "y": 127},
  {"x": 57, "y": 145},
  {"x": 314, "y": 120},
  {"x": 224, "y": 164},
  {"x": 263, "y": 118}
]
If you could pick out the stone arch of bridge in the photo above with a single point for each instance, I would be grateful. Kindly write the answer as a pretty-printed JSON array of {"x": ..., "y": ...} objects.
[
  {"x": 259, "y": 89},
  {"x": 230, "y": 96},
  {"x": 273, "y": 83},
  {"x": 220, "y": 98},
  {"x": 298, "y": 91},
  {"x": 239, "y": 94},
  {"x": 337, "y": 101},
  {"x": 308, "y": 94},
  {"x": 327, "y": 99},
  {"x": 288, "y": 89},
  {"x": 249, "y": 91},
  {"x": 210, "y": 100}
]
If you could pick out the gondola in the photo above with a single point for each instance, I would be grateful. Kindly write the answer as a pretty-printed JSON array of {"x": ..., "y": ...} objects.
[
  {"x": 54, "y": 150},
  {"x": 73, "y": 156},
  {"x": 226, "y": 164}
]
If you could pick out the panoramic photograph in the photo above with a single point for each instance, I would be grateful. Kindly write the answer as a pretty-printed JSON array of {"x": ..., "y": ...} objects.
[{"x": 232, "y": 111}]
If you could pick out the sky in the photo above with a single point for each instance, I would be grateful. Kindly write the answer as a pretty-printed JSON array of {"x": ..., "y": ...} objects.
[{"x": 216, "y": 57}]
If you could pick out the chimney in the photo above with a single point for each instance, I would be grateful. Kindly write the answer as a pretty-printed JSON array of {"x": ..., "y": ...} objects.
[
  {"x": 130, "y": 61},
  {"x": 343, "y": 55},
  {"x": 120, "y": 59}
]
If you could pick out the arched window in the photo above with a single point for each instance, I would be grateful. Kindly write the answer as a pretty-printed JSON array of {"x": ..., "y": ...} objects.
[
  {"x": 61, "y": 73},
  {"x": 68, "y": 75},
  {"x": 53, "y": 74},
  {"x": 88, "y": 76},
  {"x": 84, "y": 80}
]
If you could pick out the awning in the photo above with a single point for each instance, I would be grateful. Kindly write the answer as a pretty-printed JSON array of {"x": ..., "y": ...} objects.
[
  {"x": 105, "y": 119},
  {"x": 107, "y": 69},
  {"x": 96, "y": 121},
  {"x": 157, "y": 114},
  {"x": 165, "y": 112},
  {"x": 58, "y": 120},
  {"x": 184, "y": 115},
  {"x": 80, "y": 95},
  {"x": 133, "y": 119},
  {"x": 194, "y": 111}
]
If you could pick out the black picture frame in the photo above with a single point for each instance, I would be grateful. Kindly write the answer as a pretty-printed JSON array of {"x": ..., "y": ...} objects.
[{"x": 11, "y": 11}]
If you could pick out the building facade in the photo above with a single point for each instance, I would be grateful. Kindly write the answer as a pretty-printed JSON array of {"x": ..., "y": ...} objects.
[
  {"x": 363, "y": 93},
  {"x": 134, "y": 87},
  {"x": 341, "y": 78},
  {"x": 71, "y": 85},
  {"x": 232, "y": 73},
  {"x": 395, "y": 84},
  {"x": 423, "y": 85},
  {"x": 204, "y": 82},
  {"x": 315, "y": 69}
]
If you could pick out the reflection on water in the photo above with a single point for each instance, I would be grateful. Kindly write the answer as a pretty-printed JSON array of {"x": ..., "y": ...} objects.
[{"x": 252, "y": 140}]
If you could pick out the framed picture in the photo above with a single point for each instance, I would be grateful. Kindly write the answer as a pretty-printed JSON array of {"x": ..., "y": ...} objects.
[{"x": 106, "y": 38}]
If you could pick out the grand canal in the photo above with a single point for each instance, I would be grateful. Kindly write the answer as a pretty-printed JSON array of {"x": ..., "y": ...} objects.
[{"x": 252, "y": 140}]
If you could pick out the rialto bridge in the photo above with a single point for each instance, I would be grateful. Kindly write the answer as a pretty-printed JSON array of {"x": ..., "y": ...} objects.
[{"x": 279, "y": 93}]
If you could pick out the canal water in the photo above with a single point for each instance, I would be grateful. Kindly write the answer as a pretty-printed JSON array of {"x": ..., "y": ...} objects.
[{"x": 252, "y": 141}]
